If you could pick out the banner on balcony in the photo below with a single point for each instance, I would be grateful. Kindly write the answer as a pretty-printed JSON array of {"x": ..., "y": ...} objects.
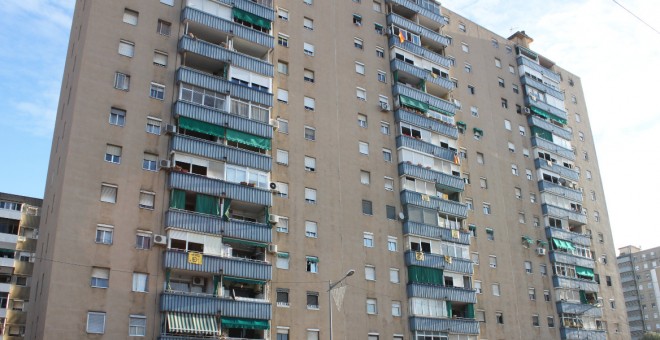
[{"x": 195, "y": 258}]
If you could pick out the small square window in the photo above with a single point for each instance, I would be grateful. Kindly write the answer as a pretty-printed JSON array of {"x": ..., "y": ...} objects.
[
  {"x": 357, "y": 19},
  {"x": 396, "y": 308},
  {"x": 113, "y": 154},
  {"x": 312, "y": 265},
  {"x": 150, "y": 162},
  {"x": 496, "y": 289},
  {"x": 282, "y": 67},
  {"x": 283, "y": 40},
  {"x": 117, "y": 117},
  {"x": 282, "y": 157},
  {"x": 310, "y": 133},
  {"x": 358, "y": 43},
  {"x": 163, "y": 27},
  {"x": 367, "y": 207},
  {"x": 126, "y": 48},
  {"x": 283, "y": 224},
  {"x": 380, "y": 52},
  {"x": 389, "y": 184},
  {"x": 100, "y": 277},
  {"x": 363, "y": 148},
  {"x": 137, "y": 325},
  {"x": 310, "y": 164},
  {"x": 283, "y": 96},
  {"x": 167, "y": 2},
  {"x": 382, "y": 77},
  {"x": 461, "y": 27},
  {"x": 372, "y": 307},
  {"x": 309, "y": 103},
  {"x": 515, "y": 88},
  {"x": 308, "y": 24},
  {"x": 471, "y": 89},
  {"x": 387, "y": 155},
  {"x": 361, "y": 94},
  {"x": 283, "y": 14},
  {"x": 385, "y": 128},
  {"x": 147, "y": 200},
  {"x": 368, "y": 240},
  {"x": 153, "y": 125},
  {"x": 308, "y": 49},
  {"x": 498, "y": 63},
  {"x": 157, "y": 91},
  {"x": 122, "y": 81},
  {"x": 504, "y": 103},
  {"x": 96, "y": 322},
  {"x": 362, "y": 120},
  {"x": 140, "y": 282},
  {"x": 108, "y": 193},
  {"x": 282, "y": 261},
  {"x": 160, "y": 58},
  {"x": 370, "y": 273},
  {"x": 311, "y": 229},
  {"x": 130, "y": 17},
  {"x": 310, "y": 195},
  {"x": 365, "y": 177},
  {"x": 465, "y": 47},
  {"x": 104, "y": 234},
  {"x": 468, "y": 68},
  {"x": 500, "y": 82},
  {"x": 308, "y": 76},
  {"x": 143, "y": 240},
  {"x": 391, "y": 243},
  {"x": 394, "y": 275}
]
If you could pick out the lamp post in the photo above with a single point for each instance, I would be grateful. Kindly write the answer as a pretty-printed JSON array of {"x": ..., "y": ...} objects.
[{"x": 332, "y": 286}]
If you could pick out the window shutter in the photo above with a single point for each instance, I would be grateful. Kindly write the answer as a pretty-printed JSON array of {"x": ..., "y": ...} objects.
[
  {"x": 100, "y": 273},
  {"x": 113, "y": 150},
  {"x": 310, "y": 162},
  {"x": 310, "y": 103},
  {"x": 108, "y": 193},
  {"x": 126, "y": 48},
  {"x": 283, "y": 95},
  {"x": 146, "y": 199},
  {"x": 160, "y": 58}
]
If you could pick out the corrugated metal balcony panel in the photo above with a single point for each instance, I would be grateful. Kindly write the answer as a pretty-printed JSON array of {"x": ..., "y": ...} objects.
[
  {"x": 210, "y": 305},
  {"x": 227, "y": 265},
  {"x": 263, "y": 9},
  {"x": 428, "y": 148},
  {"x": 203, "y": 223},
  {"x": 623, "y": 259},
  {"x": 438, "y": 262},
  {"x": 419, "y": 229},
  {"x": 220, "y": 24},
  {"x": 442, "y": 206},
  {"x": 453, "y": 326},
  {"x": 574, "y": 195},
  {"x": 552, "y": 147},
  {"x": 564, "y": 213},
  {"x": 29, "y": 245},
  {"x": 534, "y": 120},
  {"x": 23, "y": 268},
  {"x": 413, "y": 27},
  {"x": 216, "y": 52},
  {"x": 413, "y": 6},
  {"x": 558, "y": 169},
  {"x": 398, "y": 65},
  {"x": 217, "y": 84},
  {"x": 561, "y": 113},
  {"x": 626, "y": 278},
  {"x": 525, "y": 80},
  {"x": 565, "y": 282},
  {"x": 557, "y": 256},
  {"x": 442, "y": 293},
  {"x": 219, "y": 188},
  {"x": 16, "y": 317},
  {"x": 177, "y": 337},
  {"x": 443, "y": 180},
  {"x": 19, "y": 293},
  {"x": 223, "y": 118},
  {"x": 568, "y": 236},
  {"x": 422, "y": 96},
  {"x": 401, "y": 115},
  {"x": 221, "y": 152},
  {"x": 575, "y": 333},
  {"x": 546, "y": 72},
  {"x": 420, "y": 51}
]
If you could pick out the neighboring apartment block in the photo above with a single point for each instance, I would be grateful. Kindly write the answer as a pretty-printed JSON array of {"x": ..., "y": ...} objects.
[
  {"x": 19, "y": 223},
  {"x": 218, "y": 167},
  {"x": 639, "y": 280}
]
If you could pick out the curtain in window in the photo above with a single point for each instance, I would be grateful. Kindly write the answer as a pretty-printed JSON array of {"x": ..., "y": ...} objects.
[
  {"x": 469, "y": 311},
  {"x": 251, "y": 18},
  {"x": 248, "y": 139},
  {"x": 418, "y": 274},
  {"x": 448, "y": 308},
  {"x": 201, "y": 127},
  {"x": 178, "y": 199},
  {"x": 583, "y": 297},
  {"x": 226, "y": 203},
  {"x": 206, "y": 204}
]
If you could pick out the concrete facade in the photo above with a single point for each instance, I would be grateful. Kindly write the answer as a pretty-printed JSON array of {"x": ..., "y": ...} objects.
[{"x": 639, "y": 280}]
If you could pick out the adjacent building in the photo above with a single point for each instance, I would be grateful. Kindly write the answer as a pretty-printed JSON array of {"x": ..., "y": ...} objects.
[
  {"x": 218, "y": 166},
  {"x": 639, "y": 280}
]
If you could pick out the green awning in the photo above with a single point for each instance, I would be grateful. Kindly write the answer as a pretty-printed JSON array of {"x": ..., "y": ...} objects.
[
  {"x": 472, "y": 227},
  {"x": 312, "y": 259},
  {"x": 357, "y": 16},
  {"x": 489, "y": 230},
  {"x": 178, "y": 199},
  {"x": 7, "y": 251},
  {"x": 226, "y": 204},
  {"x": 542, "y": 133},
  {"x": 283, "y": 255},
  {"x": 448, "y": 303},
  {"x": 546, "y": 114},
  {"x": 206, "y": 204},
  {"x": 439, "y": 110},
  {"x": 192, "y": 323},
  {"x": 242, "y": 280},
  {"x": 542, "y": 243},
  {"x": 561, "y": 244},
  {"x": 528, "y": 239},
  {"x": 415, "y": 104},
  {"x": 586, "y": 272},
  {"x": 201, "y": 127},
  {"x": 249, "y": 243},
  {"x": 248, "y": 139},
  {"x": 417, "y": 274},
  {"x": 244, "y": 323},
  {"x": 251, "y": 18},
  {"x": 469, "y": 311},
  {"x": 461, "y": 123},
  {"x": 478, "y": 131},
  {"x": 379, "y": 26}
]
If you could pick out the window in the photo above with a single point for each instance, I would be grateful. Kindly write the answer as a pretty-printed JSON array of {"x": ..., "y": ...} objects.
[
  {"x": 480, "y": 158},
  {"x": 282, "y": 261},
  {"x": 283, "y": 332},
  {"x": 108, "y": 193},
  {"x": 514, "y": 169},
  {"x": 308, "y": 24},
  {"x": 282, "y": 157},
  {"x": 364, "y": 148},
  {"x": 528, "y": 174},
  {"x": 311, "y": 229},
  {"x": 500, "y": 82},
  {"x": 396, "y": 308},
  {"x": 282, "y": 297},
  {"x": 312, "y": 334},
  {"x": 496, "y": 289},
  {"x": 282, "y": 96},
  {"x": 370, "y": 273},
  {"x": 585, "y": 155},
  {"x": 140, "y": 282},
  {"x": 551, "y": 321},
  {"x": 357, "y": 19},
  {"x": 483, "y": 183},
  {"x": 461, "y": 27},
  {"x": 359, "y": 68},
  {"x": 147, "y": 199},
  {"x": 283, "y": 40},
  {"x": 535, "y": 320},
  {"x": 507, "y": 124},
  {"x": 521, "y": 218},
  {"x": 367, "y": 208},
  {"x": 512, "y": 147},
  {"x": 486, "y": 209},
  {"x": 310, "y": 133},
  {"x": 368, "y": 240},
  {"x": 282, "y": 189},
  {"x": 312, "y": 264},
  {"x": 104, "y": 234},
  {"x": 358, "y": 43},
  {"x": 532, "y": 199},
  {"x": 100, "y": 277},
  {"x": 153, "y": 125},
  {"x": 143, "y": 240},
  {"x": 282, "y": 67},
  {"x": 588, "y": 174},
  {"x": 362, "y": 120},
  {"x": 546, "y": 295},
  {"x": 518, "y": 193},
  {"x": 130, "y": 17},
  {"x": 394, "y": 275},
  {"x": 467, "y": 68},
  {"x": 505, "y": 103},
  {"x": 308, "y": 49},
  {"x": 283, "y": 125},
  {"x": 380, "y": 52},
  {"x": 361, "y": 94},
  {"x": 543, "y": 269},
  {"x": 475, "y": 258},
  {"x": 167, "y": 2},
  {"x": 122, "y": 81},
  {"x": 310, "y": 103},
  {"x": 372, "y": 307},
  {"x": 137, "y": 325},
  {"x": 515, "y": 88},
  {"x": 113, "y": 154},
  {"x": 477, "y": 287},
  {"x": 387, "y": 155},
  {"x": 117, "y": 117},
  {"x": 391, "y": 243},
  {"x": 310, "y": 196},
  {"x": 310, "y": 164},
  {"x": 313, "y": 300},
  {"x": 283, "y": 14},
  {"x": 96, "y": 322},
  {"x": 308, "y": 2},
  {"x": 365, "y": 177},
  {"x": 465, "y": 47},
  {"x": 283, "y": 225},
  {"x": 126, "y": 48},
  {"x": 577, "y": 117},
  {"x": 382, "y": 77},
  {"x": 389, "y": 186},
  {"x": 163, "y": 27},
  {"x": 492, "y": 261},
  {"x": 160, "y": 58},
  {"x": 512, "y": 70},
  {"x": 528, "y": 267},
  {"x": 157, "y": 91},
  {"x": 150, "y": 162}
]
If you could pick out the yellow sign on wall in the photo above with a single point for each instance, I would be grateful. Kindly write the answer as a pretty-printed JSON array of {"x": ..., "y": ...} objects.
[
  {"x": 455, "y": 234},
  {"x": 419, "y": 256},
  {"x": 195, "y": 258}
]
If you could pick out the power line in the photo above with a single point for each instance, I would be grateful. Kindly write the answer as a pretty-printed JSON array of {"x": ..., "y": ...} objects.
[{"x": 638, "y": 18}]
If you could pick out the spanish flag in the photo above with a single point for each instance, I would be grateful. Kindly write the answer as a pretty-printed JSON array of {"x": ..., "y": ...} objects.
[
  {"x": 457, "y": 160},
  {"x": 401, "y": 37}
]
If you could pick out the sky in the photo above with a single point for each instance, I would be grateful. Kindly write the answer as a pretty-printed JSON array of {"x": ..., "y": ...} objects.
[{"x": 616, "y": 56}]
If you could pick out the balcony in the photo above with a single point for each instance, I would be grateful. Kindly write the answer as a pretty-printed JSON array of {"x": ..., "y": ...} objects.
[
  {"x": 554, "y": 148},
  {"x": 262, "y": 8},
  {"x": 221, "y": 152},
  {"x": 211, "y": 305},
  {"x": 222, "y": 118},
  {"x": 442, "y": 293},
  {"x": 544, "y": 71},
  {"x": 23, "y": 268},
  {"x": 562, "y": 234},
  {"x": 199, "y": 18},
  {"x": 445, "y": 234},
  {"x": 16, "y": 317},
  {"x": 557, "y": 256},
  {"x": 444, "y": 182},
  {"x": 452, "y": 208},
  {"x": 216, "y": 52},
  {"x": 454, "y": 326},
  {"x": 20, "y": 293},
  {"x": 219, "y": 188},
  {"x": 560, "y": 113},
  {"x": 400, "y": 89},
  {"x": 29, "y": 245},
  {"x": 417, "y": 6},
  {"x": 231, "y": 266},
  {"x": 420, "y": 51},
  {"x": 573, "y": 216},
  {"x": 560, "y": 190},
  {"x": 420, "y": 73},
  {"x": 534, "y": 120},
  {"x": 443, "y": 128},
  {"x": 558, "y": 169},
  {"x": 577, "y": 333},
  {"x": 218, "y": 84},
  {"x": 6, "y": 262},
  {"x": 428, "y": 148},
  {"x": 207, "y": 224},
  {"x": 567, "y": 282},
  {"x": 525, "y": 80},
  {"x": 438, "y": 261},
  {"x": 428, "y": 36}
]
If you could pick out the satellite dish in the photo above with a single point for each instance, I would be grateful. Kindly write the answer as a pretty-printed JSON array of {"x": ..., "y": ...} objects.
[
  {"x": 402, "y": 216},
  {"x": 273, "y": 185}
]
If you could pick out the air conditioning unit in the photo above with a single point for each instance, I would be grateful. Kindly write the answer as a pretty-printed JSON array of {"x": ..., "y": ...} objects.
[
  {"x": 273, "y": 187},
  {"x": 384, "y": 106},
  {"x": 170, "y": 128},
  {"x": 272, "y": 248},
  {"x": 275, "y": 123},
  {"x": 165, "y": 164},
  {"x": 273, "y": 218},
  {"x": 160, "y": 239},
  {"x": 526, "y": 110},
  {"x": 541, "y": 251},
  {"x": 197, "y": 281}
]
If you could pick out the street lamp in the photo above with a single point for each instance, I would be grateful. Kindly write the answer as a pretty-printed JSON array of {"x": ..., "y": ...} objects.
[{"x": 332, "y": 286}]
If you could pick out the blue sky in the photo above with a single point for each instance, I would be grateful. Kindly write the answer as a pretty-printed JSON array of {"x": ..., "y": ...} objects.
[{"x": 616, "y": 56}]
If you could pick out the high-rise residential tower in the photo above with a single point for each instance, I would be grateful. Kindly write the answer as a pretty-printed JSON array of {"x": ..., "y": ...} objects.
[{"x": 222, "y": 168}]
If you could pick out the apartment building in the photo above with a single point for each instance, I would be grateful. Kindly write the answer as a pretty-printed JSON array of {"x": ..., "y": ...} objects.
[
  {"x": 19, "y": 223},
  {"x": 307, "y": 169},
  {"x": 639, "y": 280}
]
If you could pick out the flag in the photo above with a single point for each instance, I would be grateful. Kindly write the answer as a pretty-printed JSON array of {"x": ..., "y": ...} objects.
[{"x": 401, "y": 37}]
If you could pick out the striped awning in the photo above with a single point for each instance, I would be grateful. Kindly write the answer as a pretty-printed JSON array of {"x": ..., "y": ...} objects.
[
  {"x": 244, "y": 323},
  {"x": 192, "y": 323}
]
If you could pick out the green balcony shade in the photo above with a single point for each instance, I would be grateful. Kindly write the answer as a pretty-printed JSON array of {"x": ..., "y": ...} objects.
[
  {"x": 583, "y": 297},
  {"x": 201, "y": 127},
  {"x": 226, "y": 204},
  {"x": 528, "y": 239},
  {"x": 243, "y": 280},
  {"x": 545, "y": 134},
  {"x": 418, "y": 274},
  {"x": 244, "y": 323},
  {"x": 245, "y": 242},
  {"x": 216, "y": 284},
  {"x": 586, "y": 272},
  {"x": 478, "y": 131},
  {"x": 439, "y": 110},
  {"x": 178, "y": 199},
  {"x": 561, "y": 244},
  {"x": 547, "y": 115},
  {"x": 413, "y": 103},
  {"x": 192, "y": 323},
  {"x": 283, "y": 255},
  {"x": 469, "y": 311},
  {"x": 312, "y": 259},
  {"x": 250, "y": 18},
  {"x": 448, "y": 308},
  {"x": 248, "y": 139},
  {"x": 461, "y": 124},
  {"x": 206, "y": 204}
]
